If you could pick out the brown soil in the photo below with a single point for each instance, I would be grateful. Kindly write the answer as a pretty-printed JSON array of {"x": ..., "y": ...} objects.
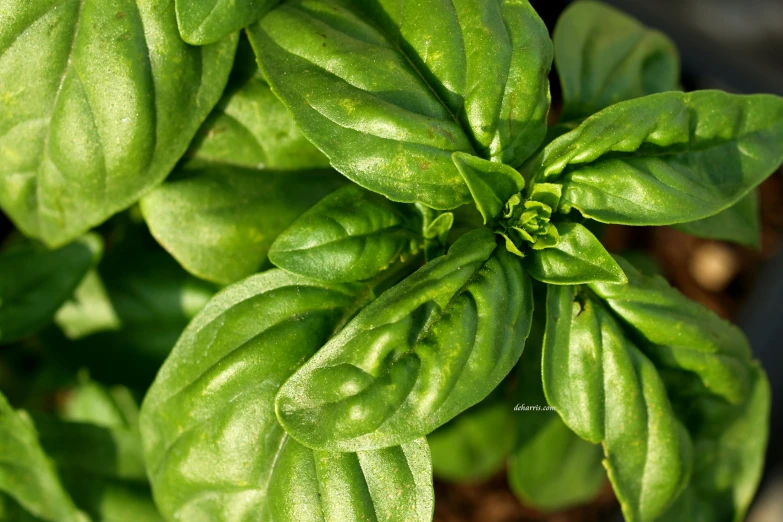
[{"x": 492, "y": 501}]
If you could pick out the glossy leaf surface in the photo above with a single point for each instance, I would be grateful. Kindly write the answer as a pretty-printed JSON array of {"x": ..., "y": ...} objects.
[
  {"x": 740, "y": 223},
  {"x": 427, "y": 349},
  {"x": 491, "y": 184},
  {"x": 474, "y": 445},
  {"x": 213, "y": 444},
  {"x": 34, "y": 282},
  {"x": 578, "y": 258},
  {"x": 350, "y": 235},
  {"x": 667, "y": 158},
  {"x": 101, "y": 99},
  {"x": 204, "y": 22},
  {"x": 679, "y": 334},
  {"x": 608, "y": 392},
  {"x": 603, "y": 56},
  {"x": 388, "y": 91},
  {"x": 28, "y": 480}
]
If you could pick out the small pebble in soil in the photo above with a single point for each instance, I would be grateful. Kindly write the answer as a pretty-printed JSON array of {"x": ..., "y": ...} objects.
[{"x": 714, "y": 266}]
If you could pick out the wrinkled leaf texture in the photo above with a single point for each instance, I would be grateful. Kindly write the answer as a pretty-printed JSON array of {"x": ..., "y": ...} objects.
[
  {"x": 100, "y": 100},
  {"x": 389, "y": 90},
  {"x": 213, "y": 445},
  {"x": 607, "y": 391},
  {"x": 427, "y": 349}
]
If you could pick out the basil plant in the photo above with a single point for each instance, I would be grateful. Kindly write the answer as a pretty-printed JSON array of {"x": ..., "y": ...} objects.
[{"x": 406, "y": 237}]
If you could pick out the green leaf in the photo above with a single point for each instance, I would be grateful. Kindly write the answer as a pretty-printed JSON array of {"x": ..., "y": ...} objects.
[
  {"x": 101, "y": 98},
  {"x": 27, "y": 475},
  {"x": 728, "y": 456},
  {"x": 389, "y": 90},
  {"x": 126, "y": 316},
  {"x": 491, "y": 184},
  {"x": 213, "y": 402},
  {"x": 436, "y": 228},
  {"x": 740, "y": 223},
  {"x": 250, "y": 128},
  {"x": 91, "y": 403},
  {"x": 98, "y": 453},
  {"x": 550, "y": 468},
  {"x": 34, "y": 282},
  {"x": 219, "y": 221},
  {"x": 577, "y": 258},
  {"x": 720, "y": 393},
  {"x": 204, "y": 22},
  {"x": 429, "y": 348},
  {"x": 680, "y": 334},
  {"x": 603, "y": 56},
  {"x": 474, "y": 445},
  {"x": 608, "y": 392},
  {"x": 102, "y": 468},
  {"x": 666, "y": 158},
  {"x": 350, "y": 235}
]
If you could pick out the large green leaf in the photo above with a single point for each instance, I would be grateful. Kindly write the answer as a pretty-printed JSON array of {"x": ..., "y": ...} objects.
[
  {"x": 603, "y": 56},
  {"x": 219, "y": 221},
  {"x": 427, "y": 349},
  {"x": 577, "y": 258},
  {"x": 608, "y": 392},
  {"x": 213, "y": 445},
  {"x": 100, "y": 100},
  {"x": 126, "y": 316},
  {"x": 740, "y": 223},
  {"x": 389, "y": 90},
  {"x": 350, "y": 235},
  {"x": 28, "y": 480},
  {"x": 720, "y": 394},
  {"x": 208, "y": 21},
  {"x": 680, "y": 334},
  {"x": 34, "y": 282},
  {"x": 729, "y": 447},
  {"x": 474, "y": 445},
  {"x": 666, "y": 158}
]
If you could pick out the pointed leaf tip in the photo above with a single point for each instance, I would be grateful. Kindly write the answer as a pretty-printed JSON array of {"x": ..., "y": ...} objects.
[{"x": 490, "y": 183}]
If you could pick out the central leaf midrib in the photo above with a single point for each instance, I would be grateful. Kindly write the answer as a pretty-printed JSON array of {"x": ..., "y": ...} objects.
[{"x": 45, "y": 154}]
